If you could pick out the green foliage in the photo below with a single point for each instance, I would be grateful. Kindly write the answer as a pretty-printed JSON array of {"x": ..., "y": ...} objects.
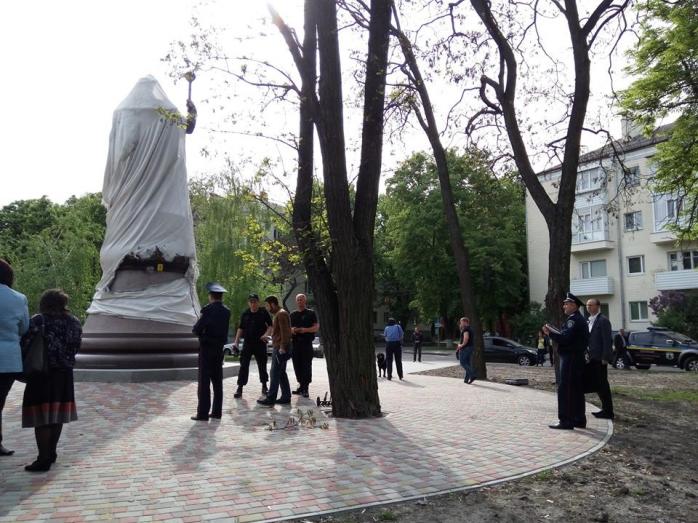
[
  {"x": 679, "y": 312},
  {"x": 414, "y": 264},
  {"x": 526, "y": 324},
  {"x": 666, "y": 64},
  {"x": 54, "y": 246}
]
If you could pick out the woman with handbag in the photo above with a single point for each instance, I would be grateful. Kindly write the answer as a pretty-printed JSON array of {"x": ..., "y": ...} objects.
[
  {"x": 49, "y": 397},
  {"x": 14, "y": 321}
]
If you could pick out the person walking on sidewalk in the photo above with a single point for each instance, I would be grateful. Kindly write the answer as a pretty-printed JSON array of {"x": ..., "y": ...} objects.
[
  {"x": 465, "y": 350},
  {"x": 255, "y": 328},
  {"x": 304, "y": 325},
  {"x": 600, "y": 352},
  {"x": 281, "y": 341},
  {"x": 393, "y": 347},
  {"x": 418, "y": 337},
  {"x": 212, "y": 330}
]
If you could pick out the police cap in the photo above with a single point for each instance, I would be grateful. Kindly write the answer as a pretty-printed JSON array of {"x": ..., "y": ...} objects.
[
  {"x": 214, "y": 286},
  {"x": 573, "y": 299},
  {"x": 253, "y": 296}
]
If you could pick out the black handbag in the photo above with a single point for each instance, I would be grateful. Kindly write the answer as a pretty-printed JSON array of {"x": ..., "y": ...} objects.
[{"x": 34, "y": 355}]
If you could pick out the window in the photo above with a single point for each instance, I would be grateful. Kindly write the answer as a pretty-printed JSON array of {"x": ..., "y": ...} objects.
[
  {"x": 593, "y": 269},
  {"x": 638, "y": 311},
  {"x": 683, "y": 260},
  {"x": 642, "y": 338},
  {"x": 636, "y": 264},
  {"x": 632, "y": 177},
  {"x": 604, "y": 310},
  {"x": 633, "y": 221},
  {"x": 673, "y": 208},
  {"x": 589, "y": 180}
]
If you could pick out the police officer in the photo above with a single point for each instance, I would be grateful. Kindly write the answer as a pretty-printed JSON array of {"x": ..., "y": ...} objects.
[
  {"x": 255, "y": 328},
  {"x": 304, "y": 325},
  {"x": 572, "y": 342},
  {"x": 212, "y": 330}
]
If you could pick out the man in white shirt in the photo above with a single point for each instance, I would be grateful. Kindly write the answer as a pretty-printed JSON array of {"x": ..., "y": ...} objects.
[{"x": 600, "y": 352}]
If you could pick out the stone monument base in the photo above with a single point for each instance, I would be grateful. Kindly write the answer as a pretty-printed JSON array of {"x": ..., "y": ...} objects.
[{"x": 144, "y": 375}]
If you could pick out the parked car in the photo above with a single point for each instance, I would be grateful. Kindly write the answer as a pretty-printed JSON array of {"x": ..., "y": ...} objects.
[
  {"x": 660, "y": 346},
  {"x": 318, "y": 350},
  {"x": 228, "y": 349},
  {"x": 498, "y": 349}
]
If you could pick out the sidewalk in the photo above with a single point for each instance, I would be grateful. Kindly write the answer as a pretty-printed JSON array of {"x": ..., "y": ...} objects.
[{"x": 135, "y": 455}]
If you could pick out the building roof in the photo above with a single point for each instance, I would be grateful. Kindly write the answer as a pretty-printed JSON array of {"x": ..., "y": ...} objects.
[{"x": 624, "y": 146}]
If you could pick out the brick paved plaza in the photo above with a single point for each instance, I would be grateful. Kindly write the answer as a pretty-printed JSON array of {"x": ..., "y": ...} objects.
[{"x": 135, "y": 455}]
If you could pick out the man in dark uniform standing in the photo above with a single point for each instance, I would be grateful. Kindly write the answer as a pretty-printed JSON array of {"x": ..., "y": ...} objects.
[
  {"x": 572, "y": 341},
  {"x": 212, "y": 330},
  {"x": 304, "y": 325},
  {"x": 255, "y": 328}
]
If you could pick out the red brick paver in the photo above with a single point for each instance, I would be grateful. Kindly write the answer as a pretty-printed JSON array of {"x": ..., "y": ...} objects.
[{"x": 135, "y": 455}]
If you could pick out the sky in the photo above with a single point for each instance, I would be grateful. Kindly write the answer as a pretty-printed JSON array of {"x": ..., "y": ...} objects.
[{"x": 67, "y": 65}]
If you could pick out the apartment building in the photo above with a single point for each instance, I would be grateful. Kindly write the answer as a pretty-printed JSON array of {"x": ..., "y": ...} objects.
[{"x": 622, "y": 251}]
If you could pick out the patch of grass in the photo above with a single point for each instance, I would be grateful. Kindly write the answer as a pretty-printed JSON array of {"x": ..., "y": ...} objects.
[
  {"x": 387, "y": 515},
  {"x": 544, "y": 475},
  {"x": 232, "y": 358},
  {"x": 688, "y": 395}
]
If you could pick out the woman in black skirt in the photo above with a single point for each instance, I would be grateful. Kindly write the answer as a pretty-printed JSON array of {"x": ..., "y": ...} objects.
[{"x": 49, "y": 400}]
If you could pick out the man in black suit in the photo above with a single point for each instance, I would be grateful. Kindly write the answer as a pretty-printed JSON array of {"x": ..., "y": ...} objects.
[
  {"x": 600, "y": 352},
  {"x": 212, "y": 330},
  {"x": 572, "y": 340}
]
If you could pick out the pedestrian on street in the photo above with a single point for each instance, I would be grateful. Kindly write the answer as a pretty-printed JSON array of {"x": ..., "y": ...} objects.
[
  {"x": 465, "y": 349},
  {"x": 254, "y": 328},
  {"x": 600, "y": 353},
  {"x": 304, "y": 326},
  {"x": 49, "y": 398},
  {"x": 212, "y": 330},
  {"x": 620, "y": 344},
  {"x": 418, "y": 337},
  {"x": 543, "y": 343},
  {"x": 572, "y": 341},
  {"x": 14, "y": 322},
  {"x": 393, "y": 334},
  {"x": 281, "y": 341}
]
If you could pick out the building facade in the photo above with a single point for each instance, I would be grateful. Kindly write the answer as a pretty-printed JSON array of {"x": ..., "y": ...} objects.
[{"x": 622, "y": 250}]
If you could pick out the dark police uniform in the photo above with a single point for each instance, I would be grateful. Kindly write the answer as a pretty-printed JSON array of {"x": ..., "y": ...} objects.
[
  {"x": 254, "y": 325},
  {"x": 303, "y": 347},
  {"x": 572, "y": 344},
  {"x": 212, "y": 330}
]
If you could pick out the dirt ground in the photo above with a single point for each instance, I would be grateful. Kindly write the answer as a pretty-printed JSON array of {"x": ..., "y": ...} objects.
[{"x": 647, "y": 472}]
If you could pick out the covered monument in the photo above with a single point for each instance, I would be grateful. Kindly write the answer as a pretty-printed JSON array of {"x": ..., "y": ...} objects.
[{"x": 145, "y": 304}]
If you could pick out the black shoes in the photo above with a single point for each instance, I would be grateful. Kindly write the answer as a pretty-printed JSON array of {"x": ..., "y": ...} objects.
[
  {"x": 305, "y": 394},
  {"x": 299, "y": 390},
  {"x": 560, "y": 426},
  {"x": 602, "y": 415},
  {"x": 39, "y": 466},
  {"x": 238, "y": 393},
  {"x": 472, "y": 379},
  {"x": 5, "y": 452},
  {"x": 199, "y": 418},
  {"x": 283, "y": 401},
  {"x": 216, "y": 416},
  {"x": 266, "y": 402},
  {"x": 264, "y": 389}
]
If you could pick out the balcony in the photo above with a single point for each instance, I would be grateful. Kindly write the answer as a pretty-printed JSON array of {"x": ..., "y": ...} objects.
[
  {"x": 591, "y": 241},
  {"x": 676, "y": 280},
  {"x": 662, "y": 236},
  {"x": 592, "y": 286}
]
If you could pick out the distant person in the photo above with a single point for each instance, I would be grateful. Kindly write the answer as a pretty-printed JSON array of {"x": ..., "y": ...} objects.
[
  {"x": 620, "y": 344},
  {"x": 281, "y": 341},
  {"x": 465, "y": 349},
  {"x": 572, "y": 341},
  {"x": 600, "y": 352},
  {"x": 418, "y": 337},
  {"x": 542, "y": 342},
  {"x": 14, "y": 322},
  {"x": 49, "y": 399},
  {"x": 212, "y": 330},
  {"x": 393, "y": 334},
  {"x": 254, "y": 328},
  {"x": 304, "y": 326}
]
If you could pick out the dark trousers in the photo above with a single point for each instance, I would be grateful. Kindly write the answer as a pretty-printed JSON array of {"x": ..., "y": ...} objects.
[
  {"x": 210, "y": 376},
  {"x": 570, "y": 390},
  {"x": 259, "y": 351},
  {"x": 465, "y": 357},
  {"x": 417, "y": 353},
  {"x": 278, "y": 376},
  {"x": 6, "y": 381},
  {"x": 393, "y": 348},
  {"x": 599, "y": 370},
  {"x": 541, "y": 356},
  {"x": 303, "y": 362}
]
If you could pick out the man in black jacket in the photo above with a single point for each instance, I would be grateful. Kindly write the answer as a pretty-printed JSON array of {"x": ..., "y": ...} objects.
[
  {"x": 212, "y": 330},
  {"x": 572, "y": 341},
  {"x": 600, "y": 352}
]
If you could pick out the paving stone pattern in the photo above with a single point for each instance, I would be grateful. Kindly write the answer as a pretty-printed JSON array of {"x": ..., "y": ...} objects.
[{"x": 134, "y": 454}]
